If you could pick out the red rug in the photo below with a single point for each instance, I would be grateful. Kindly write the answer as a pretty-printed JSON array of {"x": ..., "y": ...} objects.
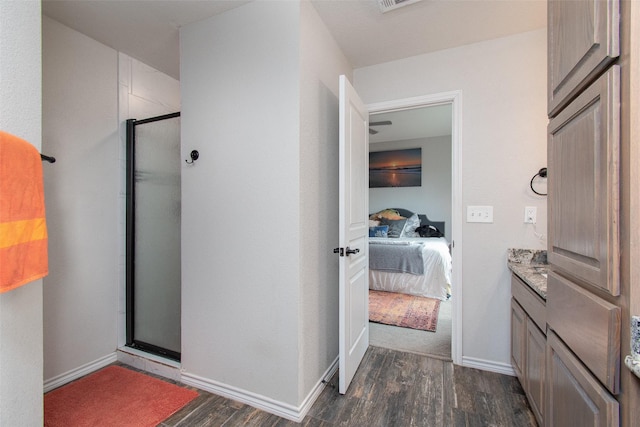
[
  {"x": 114, "y": 396},
  {"x": 406, "y": 311}
]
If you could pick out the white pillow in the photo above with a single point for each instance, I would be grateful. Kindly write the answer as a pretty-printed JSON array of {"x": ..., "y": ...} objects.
[{"x": 410, "y": 226}]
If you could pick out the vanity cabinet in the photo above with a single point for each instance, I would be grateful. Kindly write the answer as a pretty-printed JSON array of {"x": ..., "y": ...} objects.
[
  {"x": 528, "y": 344},
  {"x": 518, "y": 332},
  {"x": 536, "y": 343}
]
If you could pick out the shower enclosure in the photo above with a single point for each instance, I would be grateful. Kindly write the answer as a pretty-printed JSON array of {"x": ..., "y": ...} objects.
[{"x": 153, "y": 235}]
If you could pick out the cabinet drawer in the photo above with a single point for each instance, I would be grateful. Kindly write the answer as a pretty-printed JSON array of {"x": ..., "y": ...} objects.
[
  {"x": 584, "y": 150},
  {"x": 589, "y": 326},
  {"x": 574, "y": 397},
  {"x": 583, "y": 39},
  {"x": 530, "y": 302}
]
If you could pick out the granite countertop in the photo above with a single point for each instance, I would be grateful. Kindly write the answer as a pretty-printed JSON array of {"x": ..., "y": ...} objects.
[{"x": 530, "y": 265}]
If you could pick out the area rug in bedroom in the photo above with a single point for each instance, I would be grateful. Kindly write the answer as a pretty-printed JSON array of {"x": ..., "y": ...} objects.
[
  {"x": 406, "y": 311},
  {"x": 114, "y": 396}
]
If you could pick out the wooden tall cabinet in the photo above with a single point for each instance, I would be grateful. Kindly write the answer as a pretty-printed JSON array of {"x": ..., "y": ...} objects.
[
  {"x": 584, "y": 140},
  {"x": 583, "y": 38},
  {"x": 593, "y": 51},
  {"x": 575, "y": 397}
]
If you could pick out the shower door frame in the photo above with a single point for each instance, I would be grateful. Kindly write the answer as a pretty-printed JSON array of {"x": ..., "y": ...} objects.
[{"x": 130, "y": 240}]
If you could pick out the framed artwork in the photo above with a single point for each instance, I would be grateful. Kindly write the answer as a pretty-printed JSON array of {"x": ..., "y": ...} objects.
[{"x": 395, "y": 168}]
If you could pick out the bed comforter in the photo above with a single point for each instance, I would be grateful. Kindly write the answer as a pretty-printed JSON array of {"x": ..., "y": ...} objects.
[{"x": 396, "y": 275}]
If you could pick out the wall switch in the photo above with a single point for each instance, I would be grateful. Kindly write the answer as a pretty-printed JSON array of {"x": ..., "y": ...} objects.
[
  {"x": 479, "y": 213},
  {"x": 530, "y": 215}
]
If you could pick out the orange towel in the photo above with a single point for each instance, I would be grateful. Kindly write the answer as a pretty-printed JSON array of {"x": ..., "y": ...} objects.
[{"x": 23, "y": 231}]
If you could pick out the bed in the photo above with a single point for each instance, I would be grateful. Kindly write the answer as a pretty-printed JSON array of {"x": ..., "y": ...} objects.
[{"x": 402, "y": 261}]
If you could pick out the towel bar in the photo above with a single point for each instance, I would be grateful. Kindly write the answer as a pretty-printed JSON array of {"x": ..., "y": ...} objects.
[{"x": 48, "y": 158}]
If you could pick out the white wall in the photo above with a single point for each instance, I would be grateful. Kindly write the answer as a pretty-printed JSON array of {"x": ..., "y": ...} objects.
[
  {"x": 21, "y": 309},
  {"x": 503, "y": 84},
  {"x": 321, "y": 64},
  {"x": 259, "y": 87},
  {"x": 89, "y": 90},
  {"x": 80, "y": 129},
  {"x": 257, "y": 133},
  {"x": 144, "y": 92},
  {"x": 240, "y": 200},
  {"x": 433, "y": 197}
]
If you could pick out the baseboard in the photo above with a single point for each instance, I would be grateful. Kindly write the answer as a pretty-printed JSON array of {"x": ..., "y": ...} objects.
[
  {"x": 487, "y": 365},
  {"x": 317, "y": 389},
  {"x": 263, "y": 403},
  {"x": 81, "y": 371},
  {"x": 149, "y": 363}
]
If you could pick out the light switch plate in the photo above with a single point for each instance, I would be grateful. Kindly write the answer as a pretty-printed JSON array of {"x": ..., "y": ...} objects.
[{"x": 479, "y": 213}]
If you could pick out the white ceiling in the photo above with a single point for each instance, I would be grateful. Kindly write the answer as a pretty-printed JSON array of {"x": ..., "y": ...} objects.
[
  {"x": 144, "y": 29},
  {"x": 369, "y": 37},
  {"x": 148, "y": 30},
  {"x": 415, "y": 123}
]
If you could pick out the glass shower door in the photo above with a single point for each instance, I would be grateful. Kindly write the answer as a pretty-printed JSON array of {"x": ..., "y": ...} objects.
[{"x": 153, "y": 235}]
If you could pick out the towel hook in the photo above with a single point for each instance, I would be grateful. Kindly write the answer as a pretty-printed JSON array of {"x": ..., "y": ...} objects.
[{"x": 194, "y": 156}]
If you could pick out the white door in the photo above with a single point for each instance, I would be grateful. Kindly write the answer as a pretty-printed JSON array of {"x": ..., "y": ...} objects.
[{"x": 354, "y": 232}]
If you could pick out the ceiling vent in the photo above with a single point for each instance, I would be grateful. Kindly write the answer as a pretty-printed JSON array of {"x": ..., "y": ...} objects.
[{"x": 388, "y": 5}]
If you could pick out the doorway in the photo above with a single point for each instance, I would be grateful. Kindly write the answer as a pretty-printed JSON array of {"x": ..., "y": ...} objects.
[
  {"x": 153, "y": 287},
  {"x": 413, "y": 109}
]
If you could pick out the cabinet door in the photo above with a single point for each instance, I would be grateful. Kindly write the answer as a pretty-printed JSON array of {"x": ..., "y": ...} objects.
[
  {"x": 518, "y": 330},
  {"x": 535, "y": 369},
  {"x": 574, "y": 396},
  {"x": 583, "y": 38},
  {"x": 583, "y": 150}
]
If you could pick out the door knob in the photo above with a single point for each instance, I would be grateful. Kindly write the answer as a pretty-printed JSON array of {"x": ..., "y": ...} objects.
[{"x": 352, "y": 251}]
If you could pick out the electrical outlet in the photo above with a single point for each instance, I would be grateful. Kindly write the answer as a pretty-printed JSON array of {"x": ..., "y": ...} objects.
[{"x": 530, "y": 215}]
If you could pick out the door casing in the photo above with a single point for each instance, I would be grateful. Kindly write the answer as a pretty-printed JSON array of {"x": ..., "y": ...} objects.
[{"x": 455, "y": 99}]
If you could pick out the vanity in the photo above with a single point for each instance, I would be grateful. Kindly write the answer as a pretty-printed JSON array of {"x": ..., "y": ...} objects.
[
  {"x": 528, "y": 324},
  {"x": 566, "y": 361}
]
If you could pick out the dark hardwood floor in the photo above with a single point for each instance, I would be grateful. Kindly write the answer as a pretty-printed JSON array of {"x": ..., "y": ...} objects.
[{"x": 391, "y": 388}]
